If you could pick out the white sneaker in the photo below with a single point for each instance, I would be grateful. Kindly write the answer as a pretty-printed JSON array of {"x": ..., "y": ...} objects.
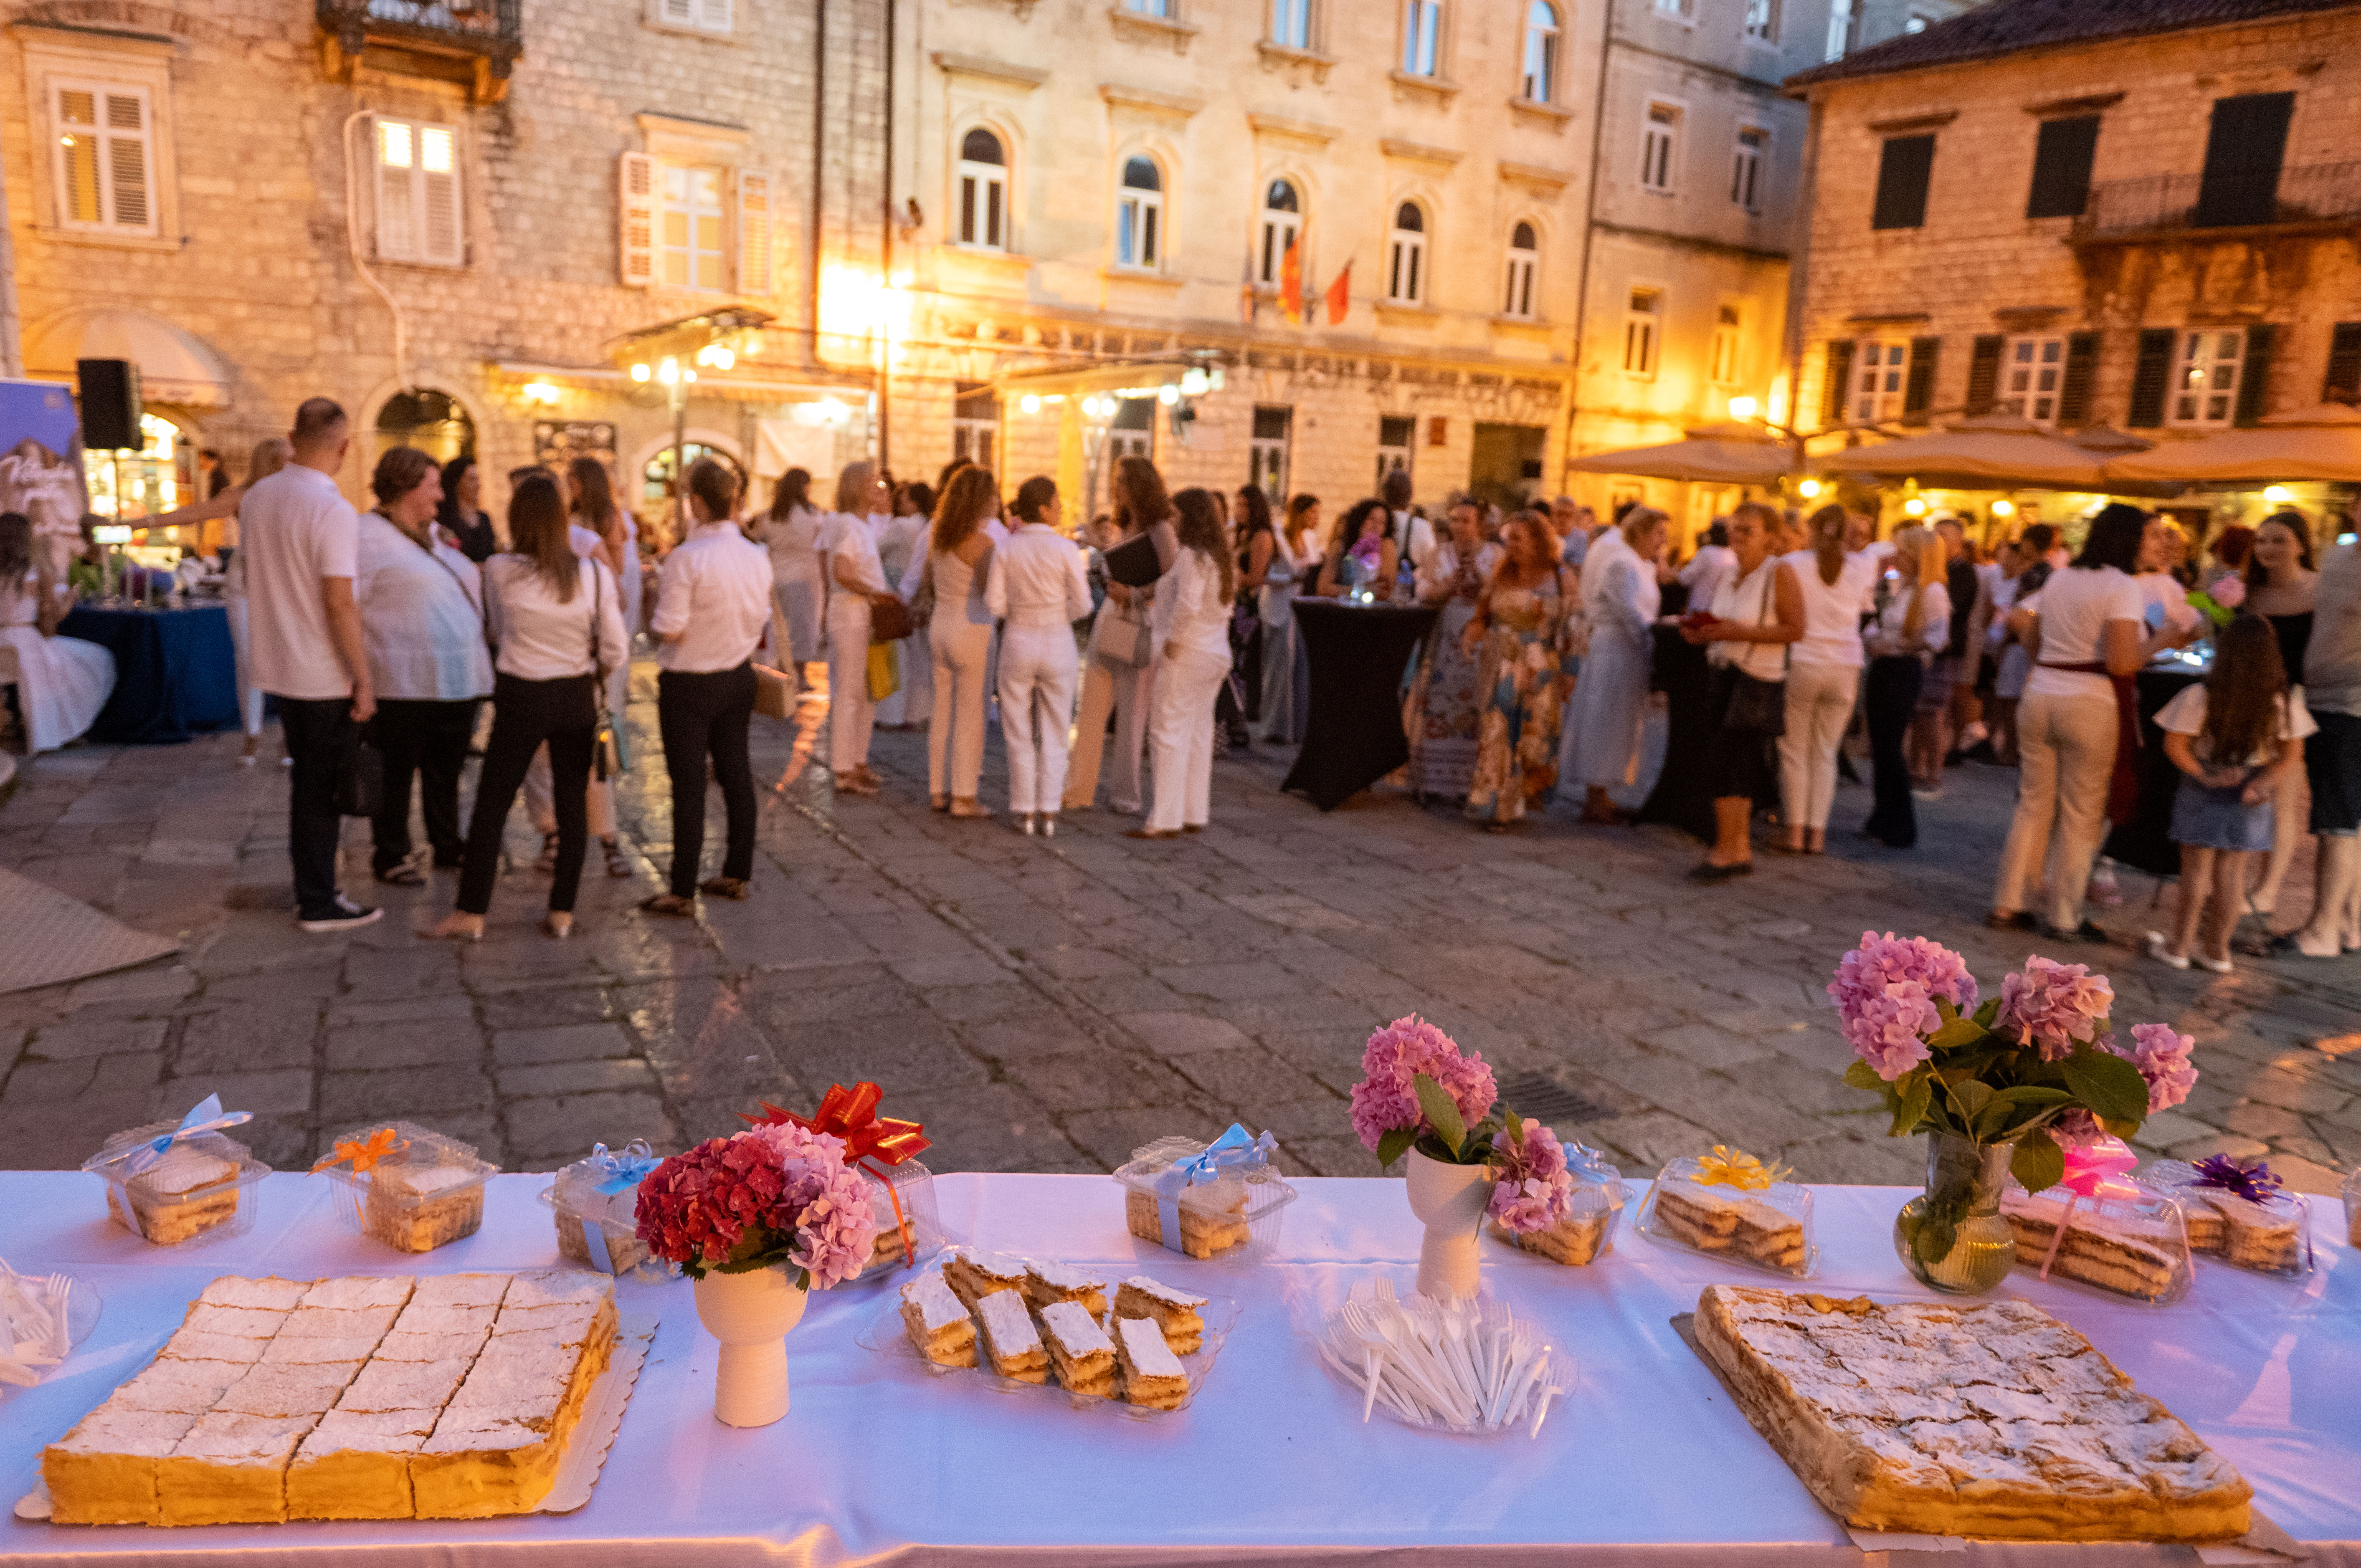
[
  {"x": 1048, "y": 825},
  {"x": 348, "y": 916}
]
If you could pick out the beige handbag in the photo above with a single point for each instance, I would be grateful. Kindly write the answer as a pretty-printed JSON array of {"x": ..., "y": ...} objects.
[{"x": 774, "y": 693}]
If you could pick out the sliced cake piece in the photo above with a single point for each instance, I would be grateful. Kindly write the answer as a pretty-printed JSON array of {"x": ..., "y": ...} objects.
[
  {"x": 338, "y": 1322},
  {"x": 271, "y": 1294},
  {"x": 972, "y": 1274},
  {"x": 384, "y": 1386},
  {"x": 475, "y": 1466},
  {"x": 355, "y": 1466},
  {"x": 462, "y": 1347},
  {"x": 357, "y": 1291},
  {"x": 1079, "y": 1349},
  {"x": 296, "y": 1350},
  {"x": 937, "y": 1322},
  {"x": 460, "y": 1289},
  {"x": 1009, "y": 1337},
  {"x": 557, "y": 1288},
  {"x": 1152, "y": 1374},
  {"x": 193, "y": 1345},
  {"x": 2131, "y": 1255},
  {"x": 1714, "y": 1220},
  {"x": 230, "y": 1469},
  {"x": 186, "y": 1192},
  {"x": 103, "y": 1472},
  {"x": 309, "y": 1390},
  {"x": 1210, "y": 1218},
  {"x": 244, "y": 1322},
  {"x": 1572, "y": 1241},
  {"x": 190, "y": 1386},
  {"x": 1175, "y": 1311},
  {"x": 527, "y": 1382},
  {"x": 1048, "y": 1282}
]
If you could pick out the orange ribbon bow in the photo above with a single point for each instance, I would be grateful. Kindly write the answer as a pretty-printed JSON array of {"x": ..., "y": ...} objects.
[
  {"x": 1735, "y": 1167},
  {"x": 851, "y": 1114},
  {"x": 381, "y": 1143}
]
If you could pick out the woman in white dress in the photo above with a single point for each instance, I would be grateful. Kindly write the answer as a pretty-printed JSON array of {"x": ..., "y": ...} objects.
[
  {"x": 959, "y": 639},
  {"x": 1621, "y": 597},
  {"x": 61, "y": 681},
  {"x": 901, "y": 545},
  {"x": 1037, "y": 582},
  {"x": 855, "y": 580},
  {"x": 1286, "y": 672},
  {"x": 791, "y": 533},
  {"x": 1191, "y": 617}
]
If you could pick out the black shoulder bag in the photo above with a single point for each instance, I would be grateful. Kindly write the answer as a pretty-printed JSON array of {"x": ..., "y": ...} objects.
[{"x": 1757, "y": 707}]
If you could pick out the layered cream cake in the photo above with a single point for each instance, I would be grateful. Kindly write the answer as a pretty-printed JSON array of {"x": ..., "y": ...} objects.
[
  {"x": 186, "y": 1192},
  {"x": 1173, "y": 1311},
  {"x": 1152, "y": 1374},
  {"x": 972, "y": 1274},
  {"x": 2135, "y": 1255},
  {"x": 1209, "y": 1217},
  {"x": 419, "y": 1207},
  {"x": 1731, "y": 1224},
  {"x": 1987, "y": 1420},
  {"x": 346, "y": 1398},
  {"x": 1576, "y": 1239},
  {"x": 1080, "y": 1350},
  {"x": 2239, "y": 1231},
  {"x": 938, "y": 1322},
  {"x": 1048, "y": 1282},
  {"x": 1009, "y": 1337}
]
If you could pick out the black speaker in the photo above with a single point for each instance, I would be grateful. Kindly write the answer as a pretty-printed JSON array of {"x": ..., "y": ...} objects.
[{"x": 110, "y": 404}]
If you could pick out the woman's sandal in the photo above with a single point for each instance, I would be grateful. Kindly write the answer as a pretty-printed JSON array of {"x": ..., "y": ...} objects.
[
  {"x": 455, "y": 927},
  {"x": 668, "y": 903},
  {"x": 729, "y": 887},
  {"x": 618, "y": 863},
  {"x": 558, "y": 922}
]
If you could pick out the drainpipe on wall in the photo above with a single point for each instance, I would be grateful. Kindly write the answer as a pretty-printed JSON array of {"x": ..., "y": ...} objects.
[
  {"x": 885, "y": 247},
  {"x": 1800, "y": 247},
  {"x": 818, "y": 174},
  {"x": 1589, "y": 237},
  {"x": 12, "y": 348}
]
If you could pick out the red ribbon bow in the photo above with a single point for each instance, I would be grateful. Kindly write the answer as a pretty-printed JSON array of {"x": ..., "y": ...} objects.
[{"x": 851, "y": 1114}]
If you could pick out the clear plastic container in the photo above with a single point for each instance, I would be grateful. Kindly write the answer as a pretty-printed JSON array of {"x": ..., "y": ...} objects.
[
  {"x": 2135, "y": 1248},
  {"x": 1587, "y": 1231},
  {"x": 1235, "y": 1218},
  {"x": 2352, "y": 1208},
  {"x": 600, "y": 1230},
  {"x": 202, "y": 1189},
  {"x": 2271, "y": 1237},
  {"x": 429, "y": 1190},
  {"x": 909, "y": 1231},
  {"x": 1769, "y": 1229}
]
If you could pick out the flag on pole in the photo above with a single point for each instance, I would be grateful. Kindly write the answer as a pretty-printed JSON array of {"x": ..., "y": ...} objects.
[
  {"x": 1340, "y": 295},
  {"x": 1291, "y": 281}
]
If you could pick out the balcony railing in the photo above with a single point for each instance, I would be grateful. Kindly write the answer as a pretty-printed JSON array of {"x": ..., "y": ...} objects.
[
  {"x": 2314, "y": 193},
  {"x": 473, "y": 41}
]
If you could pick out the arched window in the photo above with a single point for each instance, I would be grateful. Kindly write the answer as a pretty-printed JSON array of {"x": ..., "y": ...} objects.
[
  {"x": 1406, "y": 266},
  {"x": 982, "y": 190},
  {"x": 432, "y": 422},
  {"x": 1524, "y": 260},
  {"x": 1139, "y": 215},
  {"x": 1541, "y": 51},
  {"x": 1282, "y": 220}
]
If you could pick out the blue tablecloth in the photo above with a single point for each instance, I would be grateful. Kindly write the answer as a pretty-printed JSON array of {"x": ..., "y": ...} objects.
[{"x": 175, "y": 671}]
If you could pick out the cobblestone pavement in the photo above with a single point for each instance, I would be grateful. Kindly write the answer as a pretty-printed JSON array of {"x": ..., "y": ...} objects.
[{"x": 1049, "y": 1005}]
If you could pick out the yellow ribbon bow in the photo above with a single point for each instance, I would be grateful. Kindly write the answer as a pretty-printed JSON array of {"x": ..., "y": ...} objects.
[
  {"x": 1735, "y": 1167},
  {"x": 381, "y": 1143}
]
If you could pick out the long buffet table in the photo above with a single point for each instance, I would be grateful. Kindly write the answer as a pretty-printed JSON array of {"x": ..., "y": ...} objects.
[{"x": 1647, "y": 1461}]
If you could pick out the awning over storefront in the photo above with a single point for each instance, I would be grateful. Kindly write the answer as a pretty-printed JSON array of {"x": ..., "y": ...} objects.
[
  {"x": 1725, "y": 453},
  {"x": 1193, "y": 372},
  {"x": 174, "y": 366},
  {"x": 1991, "y": 451},
  {"x": 2321, "y": 443}
]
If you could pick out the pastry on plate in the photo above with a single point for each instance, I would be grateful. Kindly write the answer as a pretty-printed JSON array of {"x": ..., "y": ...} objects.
[
  {"x": 1152, "y": 1376},
  {"x": 1080, "y": 1350},
  {"x": 938, "y": 1324},
  {"x": 972, "y": 1273},
  {"x": 1048, "y": 1282},
  {"x": 1010, "y": 1338},
  {"x": 1174, "y": 1311}
]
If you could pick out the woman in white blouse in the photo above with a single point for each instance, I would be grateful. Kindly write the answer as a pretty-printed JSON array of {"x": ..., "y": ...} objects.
[
  {"x": 557, "y": 621},
  {"x": 790, "y": 531},
  {"x": 1823, "y": 678},
  {"x": 423, "y": 632},
  {"x": 1192, "y": 639},
  {"x": 1757, "y": 612},
  {"x": 856, "y": 580},
  {"x": 1621, "y": 597},
  {"x": 1038, "y": 583},
  {"x": 959, "y": 639}
]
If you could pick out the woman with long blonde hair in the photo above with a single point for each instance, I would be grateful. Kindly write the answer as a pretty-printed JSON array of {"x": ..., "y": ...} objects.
[
  {"x": 1192, "y": 615},
  {"x": 1823, "y": 677},
  {"x": 1119, "y": 669},
  {"x": 959, "y": 556}
]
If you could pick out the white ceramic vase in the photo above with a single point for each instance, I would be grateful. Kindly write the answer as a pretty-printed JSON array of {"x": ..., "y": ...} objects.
[
  {"x": 750, "y": 1313},
  {"x": 1449, "y": 1200}
]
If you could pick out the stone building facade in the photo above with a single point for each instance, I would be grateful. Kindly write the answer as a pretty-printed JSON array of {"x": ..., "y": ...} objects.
[
  {"x": 2139, "y": 216},
  {"x": 427, "y": 211}
]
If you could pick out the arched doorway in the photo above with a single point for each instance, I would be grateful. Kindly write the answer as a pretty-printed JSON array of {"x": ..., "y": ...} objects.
[
  {"x": 657, "y": 487},
  {"x": 436, "y": 422}
]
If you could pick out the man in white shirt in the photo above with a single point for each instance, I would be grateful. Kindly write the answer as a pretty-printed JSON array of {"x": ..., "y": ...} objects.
[
  {"x": 299, "y": 539},
  {"x": 1713, "y": 564},
  {"x": 1413, "y": 536},
  {"x": 713, "y": 606}
]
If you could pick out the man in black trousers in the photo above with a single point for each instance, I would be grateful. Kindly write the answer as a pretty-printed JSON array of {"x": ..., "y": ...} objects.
[{"x": 713, "y": 604}]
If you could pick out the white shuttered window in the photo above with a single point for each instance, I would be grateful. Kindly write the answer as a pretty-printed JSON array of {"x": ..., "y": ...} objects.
[
  {"x": 418, "y": 215},
  {"x": 636, "y": 221},
  {"x": 106, "y": 157},
  {"x": 754, "y": 264},
  {"x": 705, "y": 16}
]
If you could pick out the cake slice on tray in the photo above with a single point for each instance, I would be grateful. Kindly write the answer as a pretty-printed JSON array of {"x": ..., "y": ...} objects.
[
  {"x": 937, "y": 1322},
  {"x": 1048, "y": 1282},
  {"x": 972, "y": 1274},
  {"x": 1010, "y": 1338},
  {"x": 1080, "y": 1350},
  {"x": 1152, "y": 1376},
  {"x": 1173, "y": 1311}
]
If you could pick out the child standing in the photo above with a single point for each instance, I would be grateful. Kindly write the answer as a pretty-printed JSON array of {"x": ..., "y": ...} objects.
[{"x": 2235, "y": 738}]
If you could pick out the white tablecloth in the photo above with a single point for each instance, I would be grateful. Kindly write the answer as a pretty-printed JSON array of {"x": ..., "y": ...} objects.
[{"x": 877, "y": 1463}]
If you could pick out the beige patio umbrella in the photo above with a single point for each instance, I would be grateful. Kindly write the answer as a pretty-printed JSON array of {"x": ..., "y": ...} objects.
[
  {"x": 2321, "y": 442},
  {"x": 1727, "y": 453},
  {"x": 1990, "y": 452}
]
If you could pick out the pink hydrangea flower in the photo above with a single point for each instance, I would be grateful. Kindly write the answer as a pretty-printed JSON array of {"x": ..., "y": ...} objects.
[
  {"x": 1534, "y": 1189},
  {"x": 1386, "y": 1099},
  {"x": 2053, "y": 1006},
  {"x": 2162, "y": 1055},
  {"x": 1885, "y": 993},
  {"x": 2228, "y": 591}
]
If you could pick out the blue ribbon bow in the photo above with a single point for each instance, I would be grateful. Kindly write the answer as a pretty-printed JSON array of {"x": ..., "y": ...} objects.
[
  {"x": 1234, "y": 1149},
  {"x": 1588, "y": 1164},
  {"x": 206, "y": 1116},
  {"x": 626, "y": 1167}
]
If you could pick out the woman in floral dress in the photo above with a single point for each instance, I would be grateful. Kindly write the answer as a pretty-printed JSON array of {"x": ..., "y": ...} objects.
[
  {"x": 1519, "y": 635},
  {"x": 1446, "y": 708}
]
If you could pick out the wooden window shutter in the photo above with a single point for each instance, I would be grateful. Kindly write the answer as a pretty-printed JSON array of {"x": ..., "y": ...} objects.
[
  {"x": 1983, "y": 372},
  {"x": 441, "y": 229},
  {"x": 1833, "y": 382},
  {"x": 754, "y": 234},
  {"x": 127, "y": 159},
  {"x": 396, "y": 189},
  {"x": 2061, "y": 168},
  {"x": 1918, "y": 391},
  {"x": 714, "y": 15},
  {"x": 1905, "y": 168},
  {"x": 636, "y": 179},
  {"x": 678, "y": 13},
  {"x": 2151, "y": 377},
  {"x": 2255, "y": 375},
  {"x": 2245, "y": 147},
  {"x": 2344, "y": 383},
  {"x": 2081, "y": 369}
]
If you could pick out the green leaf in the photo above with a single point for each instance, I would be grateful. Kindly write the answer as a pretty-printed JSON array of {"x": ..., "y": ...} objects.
[
  {"x": 2121, "y": 1129},
  {"x": 2039, "y": 1163},
  {"x": 1971, "y": 1096},
  {"x": 2033, "y": 1094},
  {"x": 1861, "y": 1075},
  {"x": 1442, "y": 1114},
  {"x": 1957, "y": 1032},
  {"x": 2111, "y": 1086},
  {"x": 1944, "y": 1010},
  {"x": 1989, "y": 1012},
  {"x": 1392, "y": 1145},
  {"x": 1912, "y": 1108},
  {"x": 1516, "y": 1128}
]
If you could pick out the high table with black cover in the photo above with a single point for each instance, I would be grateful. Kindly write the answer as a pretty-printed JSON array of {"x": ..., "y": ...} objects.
[
  {"x": 2145, "y": 844},
  {"x": 175, "y": 671},
  {"x": 1353, "y": 736}
]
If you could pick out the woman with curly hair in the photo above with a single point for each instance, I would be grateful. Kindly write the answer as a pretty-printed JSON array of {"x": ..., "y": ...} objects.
[
  {"x": 1119, "y": 668},
  {"x": 1192, "y": 658}
]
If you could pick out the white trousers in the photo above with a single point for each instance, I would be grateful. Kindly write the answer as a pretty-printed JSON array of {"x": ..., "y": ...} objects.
[
  {"x": 962, "y": 650},
  {"x": 1819, "y": 706},
  {"x": 1038, "y": 666},
  {"x": 851, "y": 713},
  {"x": 1181, "y": 733},
  {"x": 249, "y": 696},
  {"x": 2066, "y": 752},
  {"x": 1127, "y": 694}
]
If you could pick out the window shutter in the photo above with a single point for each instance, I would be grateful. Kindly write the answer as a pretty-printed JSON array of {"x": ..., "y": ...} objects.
[
  {"x": 2344, "y": 383},
  {"x": 2244, "y": 148},
  {"x": 679, "y": 13},
  {"x": 1983, "y": 372},
  {"x": 2061, "y": 168},
  {"x": 1918, "y": 391},
  {"x": 396, "y": 144},
  {"x": 1904, "y": 170},
  {"x": 636, "y": 179},
  {"x": 2081, "y": 369},
  {"x": 754, "y": 234},
  {"x": 714, "y": 15},
  {"x": 441, "y": 239},
  {"x": 2254, "y": 376},
  {"x": 127, "y": 158},
  {"x": 2151, "y": 377},
  {"x": 1833, "y": 382}
]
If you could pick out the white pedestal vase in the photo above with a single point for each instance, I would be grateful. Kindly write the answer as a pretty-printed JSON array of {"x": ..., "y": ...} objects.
[
  {"x": 750, "y": 1313},
  {"x": 1449, "y": 1200}
]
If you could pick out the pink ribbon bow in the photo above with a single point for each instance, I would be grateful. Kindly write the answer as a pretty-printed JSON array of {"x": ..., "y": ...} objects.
[{"x": 2094, "y": 1173}]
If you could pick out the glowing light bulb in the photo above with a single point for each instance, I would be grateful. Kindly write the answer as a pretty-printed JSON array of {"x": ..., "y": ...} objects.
[
  {"x": 2003, "y": 508},
  {"x": 2278, "y": 495},
  {"x": 1809, "y": 488},
  {"x": 1915, "y": 506},
  {"x": 669, "y": 372},
  {"x": 1168, "y": 396},
  {"x": 541, "y": 391},
  {"x": 639, "y": 373},
  {"x": 1029, "y": 403},
  {"x": 1744, "y": 408}
]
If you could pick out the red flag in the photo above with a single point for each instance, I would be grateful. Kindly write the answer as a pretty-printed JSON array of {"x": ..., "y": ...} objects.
[
  {"x": 1340, "y": 295},
  {"x": 1291, "y": 282}
]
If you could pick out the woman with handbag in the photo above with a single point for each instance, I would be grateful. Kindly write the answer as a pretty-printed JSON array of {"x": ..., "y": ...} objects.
[
  {"x": 1914, "y": 625},
  {"x": 856, "y": 590},
  {"x": 423, "y": 632},
  {"x": 1518, "y": 634},
  {"x": 1038, "y": 586},
  {"x": 557, "y": 622},
  {"x": 959, "y": 639},
  {"x": 1757, "y": 612},
  {"x": 1119, "y": 666},
  {"x": 902, "y": 551},
  {"x": 1823, "y": 678}
]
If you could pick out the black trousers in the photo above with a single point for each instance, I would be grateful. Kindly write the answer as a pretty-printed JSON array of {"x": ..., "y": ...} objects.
[
  {"x": 1890, "y": 701},
  {"x": 429, "y": 739},
  {"x": 701, "y": 714},
  {"x": 565, "y": 713},
  {"x": 317, "y": 732}
]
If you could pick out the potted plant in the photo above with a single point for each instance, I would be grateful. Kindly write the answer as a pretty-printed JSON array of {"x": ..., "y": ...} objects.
[{"x": 1420, "y": 1096}]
